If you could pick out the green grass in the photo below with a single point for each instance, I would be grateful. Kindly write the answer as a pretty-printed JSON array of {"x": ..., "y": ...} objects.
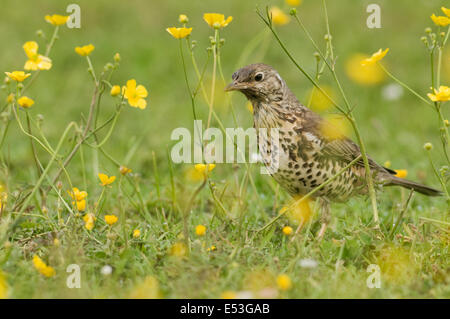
[{"x": 414, "y": 260}]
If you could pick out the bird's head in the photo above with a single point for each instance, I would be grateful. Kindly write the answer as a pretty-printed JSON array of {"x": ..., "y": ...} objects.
[{"x": 258, "y": 82}]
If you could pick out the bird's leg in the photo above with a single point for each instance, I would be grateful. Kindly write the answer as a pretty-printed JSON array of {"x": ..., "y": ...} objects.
[{"x": 325, "y": 217}]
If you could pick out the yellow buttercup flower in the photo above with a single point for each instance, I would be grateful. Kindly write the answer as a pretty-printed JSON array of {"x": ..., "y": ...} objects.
[
  {"x": 148, "y": 289},
  {"x": 397, "y": 265},
  {"x": 35, "y": 61},
  {"x": 278, "y": 16},
  {"x": 294, "y": 3},
  {"x": 370, "y": 74},
  {"x": 85, "y": 50},
  {"x": 319, "y": 101},
  {"x": 124, "y": 170},
  {"x": 259, "y": 281},
  {"x": 136, "y": 233},
  {"x": 105, "y": 180},
  {"x": 228, "y": 294},
  {"x": 135, "y": 94},
  {"x": 81, "y": 205},
  {"x": 441, "y": 95},
  {"x": 25, "y": 102},
  {"x": 3, "y": 195},
  {"x": 3, "y": 286},
  {"x": 377, "y": 56},
  {"x": 89, "y": 221},
  {"x": 10, "y": 98},
  {"x": 300, "y": 213},
  {"x": 76, "y": 194},
  {"x": 193, "y": 175},
  {"x": 179, "y": 33},
  {"x": 446, "y": 11},
  {"x": 402, "y": 173},
  {"x": 115, "y": 90},
  {"x": 200, "y": 230},
  {"x": 287, "y": 230},
  {"x": 56, "y": 19},
  {"x": 440, "y": 20},
  {"x": 111, "y": 219},
  {"x": 44, "y": 269},
  {"x": 183, "y": 18},
  {"x": 204, "y": 168},
  {"x": 217, "y": 20},
  {"x": 284, "y": 282},
  {"x": 178, "y": 249},
  {"x": 18, "y": 76},
  {"x": 335, "y": 127},
  {"x": 211, "y": 248}
]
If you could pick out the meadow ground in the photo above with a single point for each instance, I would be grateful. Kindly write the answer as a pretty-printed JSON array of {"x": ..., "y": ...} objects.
[{"x": 232, "y": 258}]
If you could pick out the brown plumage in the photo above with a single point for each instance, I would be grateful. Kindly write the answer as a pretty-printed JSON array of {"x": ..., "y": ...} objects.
[{"x": 307, "y": 158}]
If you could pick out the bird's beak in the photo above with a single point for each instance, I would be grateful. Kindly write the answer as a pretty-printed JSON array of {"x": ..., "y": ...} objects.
[{"x": 235, "y": 86}]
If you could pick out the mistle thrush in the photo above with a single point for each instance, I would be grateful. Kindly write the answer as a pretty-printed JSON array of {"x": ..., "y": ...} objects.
[{"x": 307, "y": 157}]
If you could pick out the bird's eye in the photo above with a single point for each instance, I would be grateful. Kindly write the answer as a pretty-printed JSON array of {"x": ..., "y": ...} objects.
[{"x": 259, "y": 77}]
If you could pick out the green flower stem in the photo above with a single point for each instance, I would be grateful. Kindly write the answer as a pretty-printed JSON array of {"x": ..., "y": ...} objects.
[
  {"x": 111, "y": 129},
  {"x": 52, "y": 41},
  {"x": 83, "y": 167},
  {"x": 33, "y": 148},
  {"x": 197, "y": 72},
  {"x": 28, "y": 134},
  {"x": 187, "y": 212},
  {"x": 4, "y": 133},
  {"x": 403, "y": 211},
  {"x": 439, "y": 177},
  {"x": 172, "y": 182},
  {"x": 404, "y": 84},
  {"x": 213, "y": 81},
  {"x": 187, "y": 81},
  {"x": 91, "y": 70},
  {"x": 41, "y": 178},
  {"x": 97, "y": 206},
  {"x": 83, "y": 136}
]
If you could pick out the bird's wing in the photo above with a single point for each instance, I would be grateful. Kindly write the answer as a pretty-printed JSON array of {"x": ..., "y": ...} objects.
[{"x": 340, "y": 148}]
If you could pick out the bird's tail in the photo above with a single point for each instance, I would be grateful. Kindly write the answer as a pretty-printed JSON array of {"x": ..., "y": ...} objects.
[{"x": 396, "y": 181}]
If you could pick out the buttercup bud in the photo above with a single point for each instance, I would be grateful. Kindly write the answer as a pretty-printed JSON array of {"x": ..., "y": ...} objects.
[
  {"x": 183, "y": 18},
  {"x": 428, "y": 146}
]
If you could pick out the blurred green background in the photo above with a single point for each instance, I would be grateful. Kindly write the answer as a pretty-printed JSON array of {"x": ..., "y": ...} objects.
[{"x": 393, "y": 130}]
